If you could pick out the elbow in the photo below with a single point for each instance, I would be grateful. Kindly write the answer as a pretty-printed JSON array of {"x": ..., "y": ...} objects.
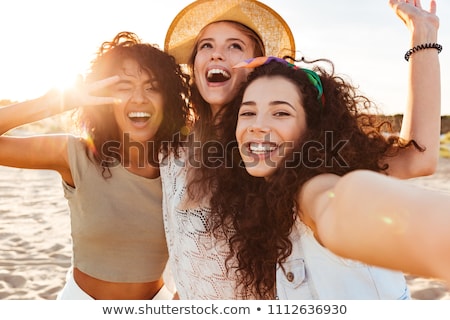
[
  {"x": 420, "y": 165},
  {"x": 428, "y": 170},
  {"x": 425, "y": 163},
  {"x": 423, "y": 166}
]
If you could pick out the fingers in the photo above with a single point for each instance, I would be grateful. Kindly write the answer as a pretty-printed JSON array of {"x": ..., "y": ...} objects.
[
  {"x": 104, "y": 83},
  {"x": 392, "y": 3},
  {"x": 433, "y": 6},
  {"x": 83, "y": 94},
  {"x": 417, "y": 4},
  {"x": 101, "y": 84},
  {"x": 105, "y": 100},
  {"x": 412, "y": 7},
  {"x": 90, "y": 98}
]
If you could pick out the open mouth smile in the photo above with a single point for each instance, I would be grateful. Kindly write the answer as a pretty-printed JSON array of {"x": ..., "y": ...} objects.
[
  {"x": 261, "y": 148},
  {"x": 140, "y": 116},
  {"x": 217, "y": 75}
]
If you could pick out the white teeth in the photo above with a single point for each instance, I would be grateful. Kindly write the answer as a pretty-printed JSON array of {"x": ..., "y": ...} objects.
[
  {"x": 213, "y": 72},
  {"x": 139, "y": 115},
  {"x": 259, "y": 148}
]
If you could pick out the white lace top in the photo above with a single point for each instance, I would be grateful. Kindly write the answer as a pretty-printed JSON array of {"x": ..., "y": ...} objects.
[{"x": 196, "y": 258}]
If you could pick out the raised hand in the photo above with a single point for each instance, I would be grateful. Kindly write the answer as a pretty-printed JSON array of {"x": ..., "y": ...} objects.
[
  {"x": 411, "y": 13},
  {"x": 82, "y": 94}
]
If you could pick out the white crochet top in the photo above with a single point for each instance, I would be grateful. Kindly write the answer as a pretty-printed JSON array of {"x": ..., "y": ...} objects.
[{"x": 196, "y": 257}]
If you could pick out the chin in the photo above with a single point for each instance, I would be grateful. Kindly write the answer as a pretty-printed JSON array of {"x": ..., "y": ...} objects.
[
  {"x": 216, "y": 101},
  {"x": 260, "y": 172}
]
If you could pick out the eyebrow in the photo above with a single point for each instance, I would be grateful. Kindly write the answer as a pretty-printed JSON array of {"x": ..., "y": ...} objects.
[
  {"x": 271, "y": 103},
  {"x": 124, "y": 81},
  {"x": 229, "y": 39},
  {"x": 236, "y": 39}
]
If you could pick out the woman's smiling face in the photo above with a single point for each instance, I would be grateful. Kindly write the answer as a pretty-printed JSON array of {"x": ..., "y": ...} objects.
[
  {"x": 140, "y": 112},
  {"x": 221, "y": 45},
  {"x": 271, "y": 122}
]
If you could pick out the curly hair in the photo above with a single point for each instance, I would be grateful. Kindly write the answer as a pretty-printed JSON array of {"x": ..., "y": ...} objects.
[
  {"x": 258, "y": 214},
  {"x": 99, "y": 122}
]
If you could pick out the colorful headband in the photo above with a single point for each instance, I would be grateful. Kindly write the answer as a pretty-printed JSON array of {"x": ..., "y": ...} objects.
[{"x": 312, "y": 76}]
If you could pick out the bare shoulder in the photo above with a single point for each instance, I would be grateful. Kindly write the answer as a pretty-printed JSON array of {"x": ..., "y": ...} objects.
[
  {"x": 314, "y": 197},
  {"x": 318, "y": 185}
]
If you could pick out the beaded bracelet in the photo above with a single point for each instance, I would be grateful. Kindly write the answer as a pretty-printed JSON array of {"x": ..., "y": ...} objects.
[{"x": 436, "y": 46}]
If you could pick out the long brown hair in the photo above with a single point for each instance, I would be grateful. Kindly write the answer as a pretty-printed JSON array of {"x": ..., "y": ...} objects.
[{"x": 207, "y": 127}]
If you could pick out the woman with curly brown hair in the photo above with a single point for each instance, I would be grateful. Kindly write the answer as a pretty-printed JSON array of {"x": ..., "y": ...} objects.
[
  {"x": 211, "y": 36},
  {"x": 312, "y": 180},
  {"x": 131, "y": 106}
]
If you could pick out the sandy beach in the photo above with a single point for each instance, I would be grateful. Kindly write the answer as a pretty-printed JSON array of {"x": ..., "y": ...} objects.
[{"x": 35, "y": 245}]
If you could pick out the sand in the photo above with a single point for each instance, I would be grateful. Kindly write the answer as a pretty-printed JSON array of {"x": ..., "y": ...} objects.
[{"x": 35, "y": 245}]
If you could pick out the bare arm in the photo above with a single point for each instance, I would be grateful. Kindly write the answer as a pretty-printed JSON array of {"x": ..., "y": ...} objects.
[
  {"x": 381, "y": 221},
  {"x": 34, "y": 152},
  {"x": 45, "y": 151},
  {"x": 421, "y": 120}
]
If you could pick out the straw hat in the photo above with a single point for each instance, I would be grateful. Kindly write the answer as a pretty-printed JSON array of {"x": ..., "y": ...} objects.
[{"x": 269, "y": 25}]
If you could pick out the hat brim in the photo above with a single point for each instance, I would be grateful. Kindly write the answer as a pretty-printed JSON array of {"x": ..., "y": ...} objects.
[{"x": 269, "y": 25}]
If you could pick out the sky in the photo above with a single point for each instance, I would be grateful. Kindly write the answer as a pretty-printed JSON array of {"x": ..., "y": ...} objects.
[{"x": 46, "y": 43}]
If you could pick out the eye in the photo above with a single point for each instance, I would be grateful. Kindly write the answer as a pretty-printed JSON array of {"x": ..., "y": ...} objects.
[
  {"x": 236, "y": 46},
  {"x": 153, "y": 87},
  {"x": 281, "y": 114},
  {"x": 246, "y": 113},
  {"x": 205, "y": 45},
  {"x": 123, "y": 88}
]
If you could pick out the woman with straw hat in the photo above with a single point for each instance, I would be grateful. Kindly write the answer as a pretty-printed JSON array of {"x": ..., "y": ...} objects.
[{"x": 211, "y": 36}]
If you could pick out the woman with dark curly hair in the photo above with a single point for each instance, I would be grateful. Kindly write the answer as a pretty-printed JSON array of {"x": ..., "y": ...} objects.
[
  {"x": 130, "y": 107},
  {"x": 312, "y": 180},
  {"x": 211, "y": 36}
]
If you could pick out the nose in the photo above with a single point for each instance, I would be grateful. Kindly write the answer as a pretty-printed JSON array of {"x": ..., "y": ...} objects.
[
  {"x": 217, "y": 55},
  {"x": 139, "y": 96},
  {"x": 259, "y": 126}
]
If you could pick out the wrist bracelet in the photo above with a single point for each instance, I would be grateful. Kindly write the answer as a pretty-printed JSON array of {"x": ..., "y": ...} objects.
[{"x": 423, "y": 46}]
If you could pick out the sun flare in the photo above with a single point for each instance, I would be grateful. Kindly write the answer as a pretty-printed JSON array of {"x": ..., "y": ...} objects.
[{"x": 63, "y": 82}]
